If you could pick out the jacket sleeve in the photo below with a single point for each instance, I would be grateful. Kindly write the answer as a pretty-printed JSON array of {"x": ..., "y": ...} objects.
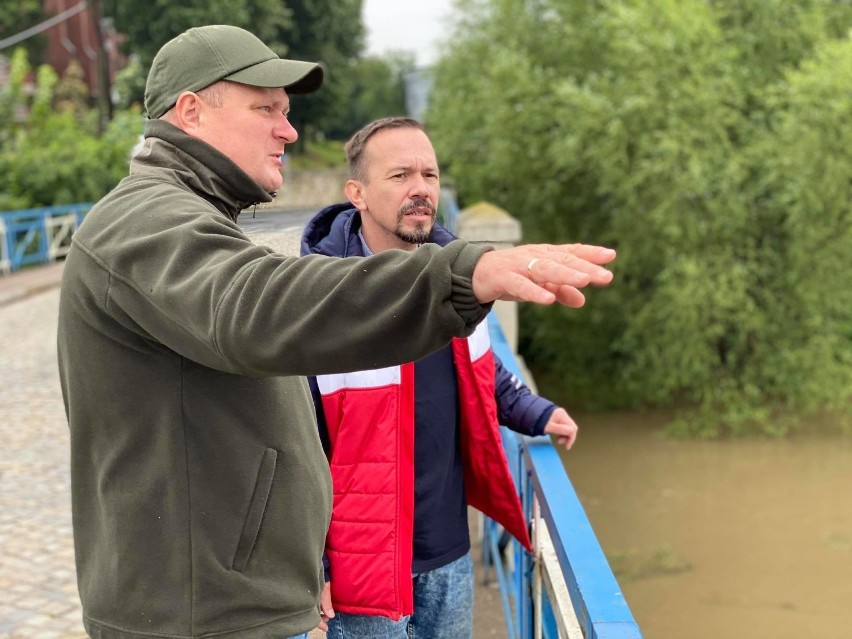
[
  {"x": 518, "y": 407},
  {"x": 189, "y": 279}
]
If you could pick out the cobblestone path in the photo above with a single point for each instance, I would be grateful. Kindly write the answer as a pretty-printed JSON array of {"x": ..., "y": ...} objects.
[
  {"x": 38, "y": 585},
  {"x": 37, "y": 576}
]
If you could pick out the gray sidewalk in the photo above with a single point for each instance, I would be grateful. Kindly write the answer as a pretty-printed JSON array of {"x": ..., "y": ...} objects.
[
  {"x": 37, "y": 558},
  {"x": 37, "y": 577},
  {"x": 28, "y": 282}
]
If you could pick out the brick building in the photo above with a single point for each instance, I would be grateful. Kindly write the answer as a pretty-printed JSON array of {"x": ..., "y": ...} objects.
[{"x": 76, "y": 37}]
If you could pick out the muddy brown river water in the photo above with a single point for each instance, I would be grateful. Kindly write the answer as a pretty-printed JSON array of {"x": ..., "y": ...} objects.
[{"x": 721, "y": 540}]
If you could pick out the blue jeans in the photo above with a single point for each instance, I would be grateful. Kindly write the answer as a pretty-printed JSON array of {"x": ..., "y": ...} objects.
[{"x": 443, "y": 609}]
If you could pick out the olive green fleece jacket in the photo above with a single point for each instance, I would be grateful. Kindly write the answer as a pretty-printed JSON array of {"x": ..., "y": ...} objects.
[{"x": 201, "y": 494}]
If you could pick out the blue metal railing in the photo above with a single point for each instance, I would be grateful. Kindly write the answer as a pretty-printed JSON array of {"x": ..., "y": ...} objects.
[
  {"x": 599, "y": 607},
  {"x": 37, "y": 236}
]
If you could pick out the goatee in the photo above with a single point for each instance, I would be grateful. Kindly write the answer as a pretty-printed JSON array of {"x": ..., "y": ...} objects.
[{"x": 420, "y": 234}]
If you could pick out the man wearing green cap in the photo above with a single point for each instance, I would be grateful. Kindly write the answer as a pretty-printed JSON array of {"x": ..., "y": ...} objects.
[{"x": 200, "y": 491}]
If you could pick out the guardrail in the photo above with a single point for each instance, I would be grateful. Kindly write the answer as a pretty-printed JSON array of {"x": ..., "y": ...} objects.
[
  {"x": 37, "y": 236},
  {"x": 567, "y": 590}
]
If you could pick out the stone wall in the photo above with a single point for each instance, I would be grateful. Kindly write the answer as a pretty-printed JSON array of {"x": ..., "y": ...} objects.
[{"x": 309, "y": 190}]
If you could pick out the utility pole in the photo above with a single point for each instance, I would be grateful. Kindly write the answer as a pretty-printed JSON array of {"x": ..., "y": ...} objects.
[{"x": 104, "y": 83}]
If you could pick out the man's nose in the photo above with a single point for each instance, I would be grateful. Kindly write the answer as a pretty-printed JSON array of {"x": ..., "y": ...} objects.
[
  {"x": 285, "y": 131},
  {"x": 419, "y": 187}
]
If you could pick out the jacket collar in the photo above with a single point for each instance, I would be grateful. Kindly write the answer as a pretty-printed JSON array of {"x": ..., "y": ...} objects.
[
  {"x": 169, "y": 152},
  {"x": 334, "y": 231}
]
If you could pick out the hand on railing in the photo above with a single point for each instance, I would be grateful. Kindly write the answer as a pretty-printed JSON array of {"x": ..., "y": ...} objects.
[{"x": 563, "y": 426}]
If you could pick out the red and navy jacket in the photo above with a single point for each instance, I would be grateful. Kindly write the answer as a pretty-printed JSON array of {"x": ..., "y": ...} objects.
[{"x": 366, "y": 422}]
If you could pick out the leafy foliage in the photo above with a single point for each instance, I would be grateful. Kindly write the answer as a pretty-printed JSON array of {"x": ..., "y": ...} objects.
[
  {"x": 50, "y": 152},
  {"x": 378, "y": 91},
  {"x": 129, "y": 85},
  {"x": 331, "y": 32},
  {"x": 18, "y": 16},
  {"x": 706, "y": 142},
  {"x": 149, "y": 25}
]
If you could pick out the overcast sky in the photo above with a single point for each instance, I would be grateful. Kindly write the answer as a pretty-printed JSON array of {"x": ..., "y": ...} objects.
[{"x": 411, "y": 25}]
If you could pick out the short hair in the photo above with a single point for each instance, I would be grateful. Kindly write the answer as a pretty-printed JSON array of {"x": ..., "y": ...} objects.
[
  {"x": 354, "y": 148},
  {"x": 213, "y": 96}
]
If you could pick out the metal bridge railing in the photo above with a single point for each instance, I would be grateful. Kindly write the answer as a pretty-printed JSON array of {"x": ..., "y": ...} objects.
[
  {"x": 37, "y": 236},
  {"x": 567, "y": 589}
]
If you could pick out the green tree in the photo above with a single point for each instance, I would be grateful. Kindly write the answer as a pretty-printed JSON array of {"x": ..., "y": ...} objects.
[
  {"x": 804, "y": 199},
  {"x": 653, "y": 126},
  {"x": 379, "y": 91},
  {"x": 50, "y": 152},
  {"x": 11, "y": 96},
  {"x": 330, "y": 32},
  {"x": 72, "y": 93},
  {"x": 19, "y": 16},
  {"x": 129, "y": 83},
  {"x": 149, "y": 25}
]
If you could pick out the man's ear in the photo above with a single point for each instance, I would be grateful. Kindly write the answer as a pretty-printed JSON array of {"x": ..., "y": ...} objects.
[
  {"x": 354, "y": 192},
  {"x": 187, "y": 112}
]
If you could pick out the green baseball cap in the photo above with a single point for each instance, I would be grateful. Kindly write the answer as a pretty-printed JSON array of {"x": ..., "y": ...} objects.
[{"x": 203, "y": 55}]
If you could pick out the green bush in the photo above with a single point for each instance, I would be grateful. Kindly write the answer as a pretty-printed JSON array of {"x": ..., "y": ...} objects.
[
  {"x": 708, "y": 143},
  {"x": 51, "y": 155}
]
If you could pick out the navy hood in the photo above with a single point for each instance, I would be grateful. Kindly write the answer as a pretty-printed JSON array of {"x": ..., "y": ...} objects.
[{"x": 334, "y": 231}]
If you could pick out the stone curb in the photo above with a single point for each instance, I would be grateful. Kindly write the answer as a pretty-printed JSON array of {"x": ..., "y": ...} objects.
[{"x": 23, "y": 284}]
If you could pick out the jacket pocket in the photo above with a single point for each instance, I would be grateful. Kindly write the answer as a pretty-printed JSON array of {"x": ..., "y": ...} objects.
[{"x": 257, "y": 506}]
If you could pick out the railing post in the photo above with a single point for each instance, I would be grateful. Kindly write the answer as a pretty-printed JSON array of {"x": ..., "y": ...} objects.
[
  {"x": 44, "y": 239},
  {"x": 58, "y": 231},
  {"x": 537, "y": 577},
  {"x": 526, "y": 561},
  {"x": 5, "y": 263}
]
